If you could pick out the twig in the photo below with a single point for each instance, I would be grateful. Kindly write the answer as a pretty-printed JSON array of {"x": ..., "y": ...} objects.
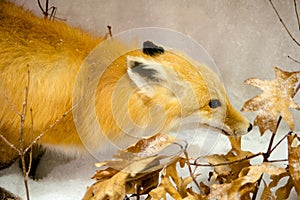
[
  {"x": 24, "y": 112},
  {"x": 109, "y": 33},
  {"x": 10, "y": 103},
  {"x": 30, "y": 153},
  {"x": 45, "y": 11},
  {"x": 227, "y": 163},
  {"x": 281, "y": 21},
  {"x": 11, "y": 145},
  {"x": 21, "y": 132},
  {"x": 279, "y": 160},
  {"x": 293, "y": 59},
  {"x": 190, "y": 171},
  {"x": 296, "y": 90},
  {"x": 279, "y": 142},
  {"x": 50, "y": 127},
  {"x": 296, "y": 12}
]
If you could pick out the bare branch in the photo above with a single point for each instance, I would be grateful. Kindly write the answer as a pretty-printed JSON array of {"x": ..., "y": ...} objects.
[
  {"x": 109, "y": 33},
  {"x": 279, "y": 142},
  {"x": 24, "y": 112},
  {"x": 49, "y": 128},
  {"x": 190, "y": 170},
  {"x": 281, "y": 21},
  {"x": 293, "y": 59},
  {"x": 226, "y": 163},
  {"x": 10, "y": 103},
  {"x": 296, "y": 12},
  {"x": 11, "y": 145},
  {"x": 42, "y": 9}
]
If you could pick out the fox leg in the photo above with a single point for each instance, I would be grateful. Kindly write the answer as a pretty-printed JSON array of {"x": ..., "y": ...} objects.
[{"x": 32, "y": 159}]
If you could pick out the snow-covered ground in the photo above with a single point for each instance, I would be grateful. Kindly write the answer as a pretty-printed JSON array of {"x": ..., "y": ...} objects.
[{"x": 244, "y": 38}]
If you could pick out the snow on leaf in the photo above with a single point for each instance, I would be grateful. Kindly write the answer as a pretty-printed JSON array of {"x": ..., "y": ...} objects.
[
  {"x": 276, "y": 99},
  {"x": 294, "y": 160},
  {"x": 136, "y": 169}
]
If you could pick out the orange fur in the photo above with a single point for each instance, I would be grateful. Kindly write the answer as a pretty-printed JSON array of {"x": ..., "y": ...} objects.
[{"x": 55, "y": 52}]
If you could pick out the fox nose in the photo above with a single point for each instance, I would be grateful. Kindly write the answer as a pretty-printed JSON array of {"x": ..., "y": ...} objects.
[{"x": 249, "y": 127}]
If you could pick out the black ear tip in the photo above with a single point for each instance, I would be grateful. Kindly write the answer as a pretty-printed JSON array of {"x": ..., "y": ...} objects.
[{"x": 152, "y": 49}]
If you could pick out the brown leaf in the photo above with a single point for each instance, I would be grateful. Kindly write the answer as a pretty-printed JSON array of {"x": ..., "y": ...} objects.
[
  {"x": 267, "y": 193},
  {"x": 136, "y": 169},
  {"x": 227, "y": 173},
  {"x": 245, "y": 183},
  {"x": 113, "y": 188},
  {"x": 277, "y": 178},
  {"x": 276, "y": 99},
  {"x": 294, "y": 160},
  {"x": 284, "y": 191},
  {"x": 172, "y": 184}
]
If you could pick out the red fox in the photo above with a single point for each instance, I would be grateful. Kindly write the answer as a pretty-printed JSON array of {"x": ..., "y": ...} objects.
[{"x": 138, "y": 80}]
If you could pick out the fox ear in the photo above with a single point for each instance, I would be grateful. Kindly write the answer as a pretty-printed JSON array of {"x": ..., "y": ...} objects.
[{"x": 147, "y": 74}]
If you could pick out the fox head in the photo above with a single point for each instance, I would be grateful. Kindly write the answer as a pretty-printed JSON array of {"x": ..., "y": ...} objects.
[{"x": 157, "y": 87}]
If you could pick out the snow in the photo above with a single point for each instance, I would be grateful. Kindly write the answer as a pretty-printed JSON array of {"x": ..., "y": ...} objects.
[{"x": 244, "y": 38}]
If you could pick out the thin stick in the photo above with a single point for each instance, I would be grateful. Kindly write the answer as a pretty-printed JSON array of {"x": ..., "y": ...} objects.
[
  {"x": 10, "y": 103},
  {"x": 296, "y": 12},
  {"x": 227, "y": 163},
  {"x": 11, "y": 145},
  {"x": 21, "y": 132},
  {"x": 45, "y": 13},
  {"x": 281, "y": 21},
  {"x": 30, "y": 153},
  {"x": 279, "y": 160},
  {"x": 296, "y": 90},
  {"x": 50, "y": 127},
  {"x": 109, "y": 33},
  {"x": 293, "y": 59},
  {"x": 190, "y": 170},
  {"x": 279, "y": 142}
]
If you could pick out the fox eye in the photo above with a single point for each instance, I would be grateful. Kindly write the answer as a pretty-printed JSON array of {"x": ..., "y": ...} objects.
[{"x": 214, "y": 103}]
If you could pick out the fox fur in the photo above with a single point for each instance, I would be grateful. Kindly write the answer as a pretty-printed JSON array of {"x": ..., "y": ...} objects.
[{"x": 55, "y": 52}]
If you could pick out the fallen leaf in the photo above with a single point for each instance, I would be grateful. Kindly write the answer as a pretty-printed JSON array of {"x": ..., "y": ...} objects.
[{"x": 276, "y": 99}]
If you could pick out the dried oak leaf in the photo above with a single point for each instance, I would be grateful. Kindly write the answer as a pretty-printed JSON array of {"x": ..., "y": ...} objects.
[
  {"x": 284, "y": 191},
  {"x": 267, "y": 193},
  {"x": 136, "y": 169},
  {"x": 276, "y": 99},
  {"x": 172, "y": 184},
  {"x": 294, "y": 160},
  {"x": 241, "y": 187},
  {"x": 227, "y": 173}
]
